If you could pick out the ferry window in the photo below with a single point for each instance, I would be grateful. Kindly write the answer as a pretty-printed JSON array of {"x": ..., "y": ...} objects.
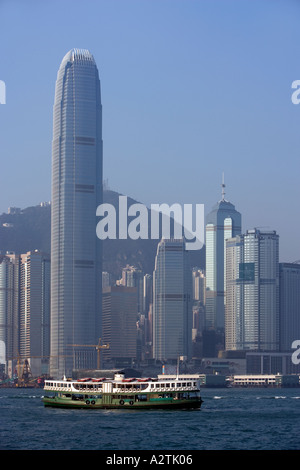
[
  {"x": 173, "y": 385},
  {"x": 167, "y": 385}
]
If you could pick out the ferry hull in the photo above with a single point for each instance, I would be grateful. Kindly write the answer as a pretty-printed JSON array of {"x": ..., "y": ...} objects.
[{"x": 126, "y": 405}]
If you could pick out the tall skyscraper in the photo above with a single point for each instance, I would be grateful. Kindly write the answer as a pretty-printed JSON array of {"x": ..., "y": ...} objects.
[
  {"x": 223, "y": 222},
  {"x": 289, "y": 274},
  {"x": 76, "y": 259},
  {"x": 9, "y": 303},
  {"x": 172, "y": 301},
  {"x": 252, "y": 291},
  {"x": 35, "y": 310}
]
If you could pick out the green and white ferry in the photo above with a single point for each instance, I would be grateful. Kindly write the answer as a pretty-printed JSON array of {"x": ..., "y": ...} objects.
[{"x": 178, "y": 391}]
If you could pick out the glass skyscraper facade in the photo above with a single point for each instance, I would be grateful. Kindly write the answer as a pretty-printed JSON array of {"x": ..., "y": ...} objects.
[
  {"x": 252, "y": 292},
  {"x": 9, "y": 303},
  {"x": 172, "y": 301},
  {"x": 223, "y": 222},
  {"x": 76, "y": 258},
  {"x": 289, "y": 274},
  {"x": 34, "y": 329}
]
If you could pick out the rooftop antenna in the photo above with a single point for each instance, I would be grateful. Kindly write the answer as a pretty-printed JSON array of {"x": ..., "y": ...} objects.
[{"x": 223, "y": 187}]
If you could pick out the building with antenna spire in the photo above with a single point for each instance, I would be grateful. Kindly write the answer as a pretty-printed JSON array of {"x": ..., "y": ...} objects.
[{"x": 223, "y": 222}]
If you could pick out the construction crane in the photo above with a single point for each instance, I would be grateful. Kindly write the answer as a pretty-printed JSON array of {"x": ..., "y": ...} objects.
[
  {"x": 98, "y": 347},
  {"x": 24, "y": 372}
]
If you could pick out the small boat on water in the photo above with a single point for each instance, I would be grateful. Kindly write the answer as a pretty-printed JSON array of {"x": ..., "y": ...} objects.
[{"x": 181, "y": 391}]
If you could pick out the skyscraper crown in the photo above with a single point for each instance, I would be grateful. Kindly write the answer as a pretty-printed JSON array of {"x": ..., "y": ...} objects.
[{"x": 79, "y": 55}]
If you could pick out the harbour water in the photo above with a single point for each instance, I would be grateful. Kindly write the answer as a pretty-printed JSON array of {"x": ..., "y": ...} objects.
[{"x": 230, "y": 419}]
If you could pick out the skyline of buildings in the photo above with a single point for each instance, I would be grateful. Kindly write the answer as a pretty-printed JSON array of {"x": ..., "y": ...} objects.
[
  {"x": 76, "y": 258},
  {"x": 155, "y": 315},
  {"x": 143, "y": 329}
]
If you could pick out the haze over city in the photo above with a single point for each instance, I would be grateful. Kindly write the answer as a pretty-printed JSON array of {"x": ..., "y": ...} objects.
[{"x": 190, "y": 89}]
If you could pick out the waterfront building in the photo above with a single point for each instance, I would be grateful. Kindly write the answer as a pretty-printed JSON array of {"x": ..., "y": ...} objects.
[
  {"x": 76, "y": 258},
  {"x": 289, "y": 274},
  {"x": 271, "y": 362},
  {"x": 264, "y": 380},
  {"x": 223, "y": 222},
  {"x": 172, "y": 301},
  {"x": 252, "y": 291}
]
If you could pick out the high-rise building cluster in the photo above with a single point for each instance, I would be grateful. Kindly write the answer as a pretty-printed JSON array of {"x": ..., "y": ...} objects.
[
  {"x": 59, "y": 314},
  {"x": 25, "y": 311}
]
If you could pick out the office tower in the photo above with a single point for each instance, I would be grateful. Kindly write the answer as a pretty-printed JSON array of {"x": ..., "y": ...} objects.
[
  {"x": 119, "y": 317},
  {"x": 223, "y": 222},
  {"x": 252, "y": 291},
  {"x": 9, "y": 304},
  {"x": 147, "y": 293},
  {"x": 199, "y": 285},
  {"x": 133, "y": 277},
  {"x": 76, "y": 260},
  {"x": 172, "y": 301},
  {"x": 289, "y": 275},
  {"x": 198, "y": 318},
  {"x": 35, "y": 310}
]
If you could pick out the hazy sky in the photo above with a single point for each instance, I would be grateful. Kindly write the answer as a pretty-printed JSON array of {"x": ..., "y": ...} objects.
[{"x": 190, "y": 88}]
